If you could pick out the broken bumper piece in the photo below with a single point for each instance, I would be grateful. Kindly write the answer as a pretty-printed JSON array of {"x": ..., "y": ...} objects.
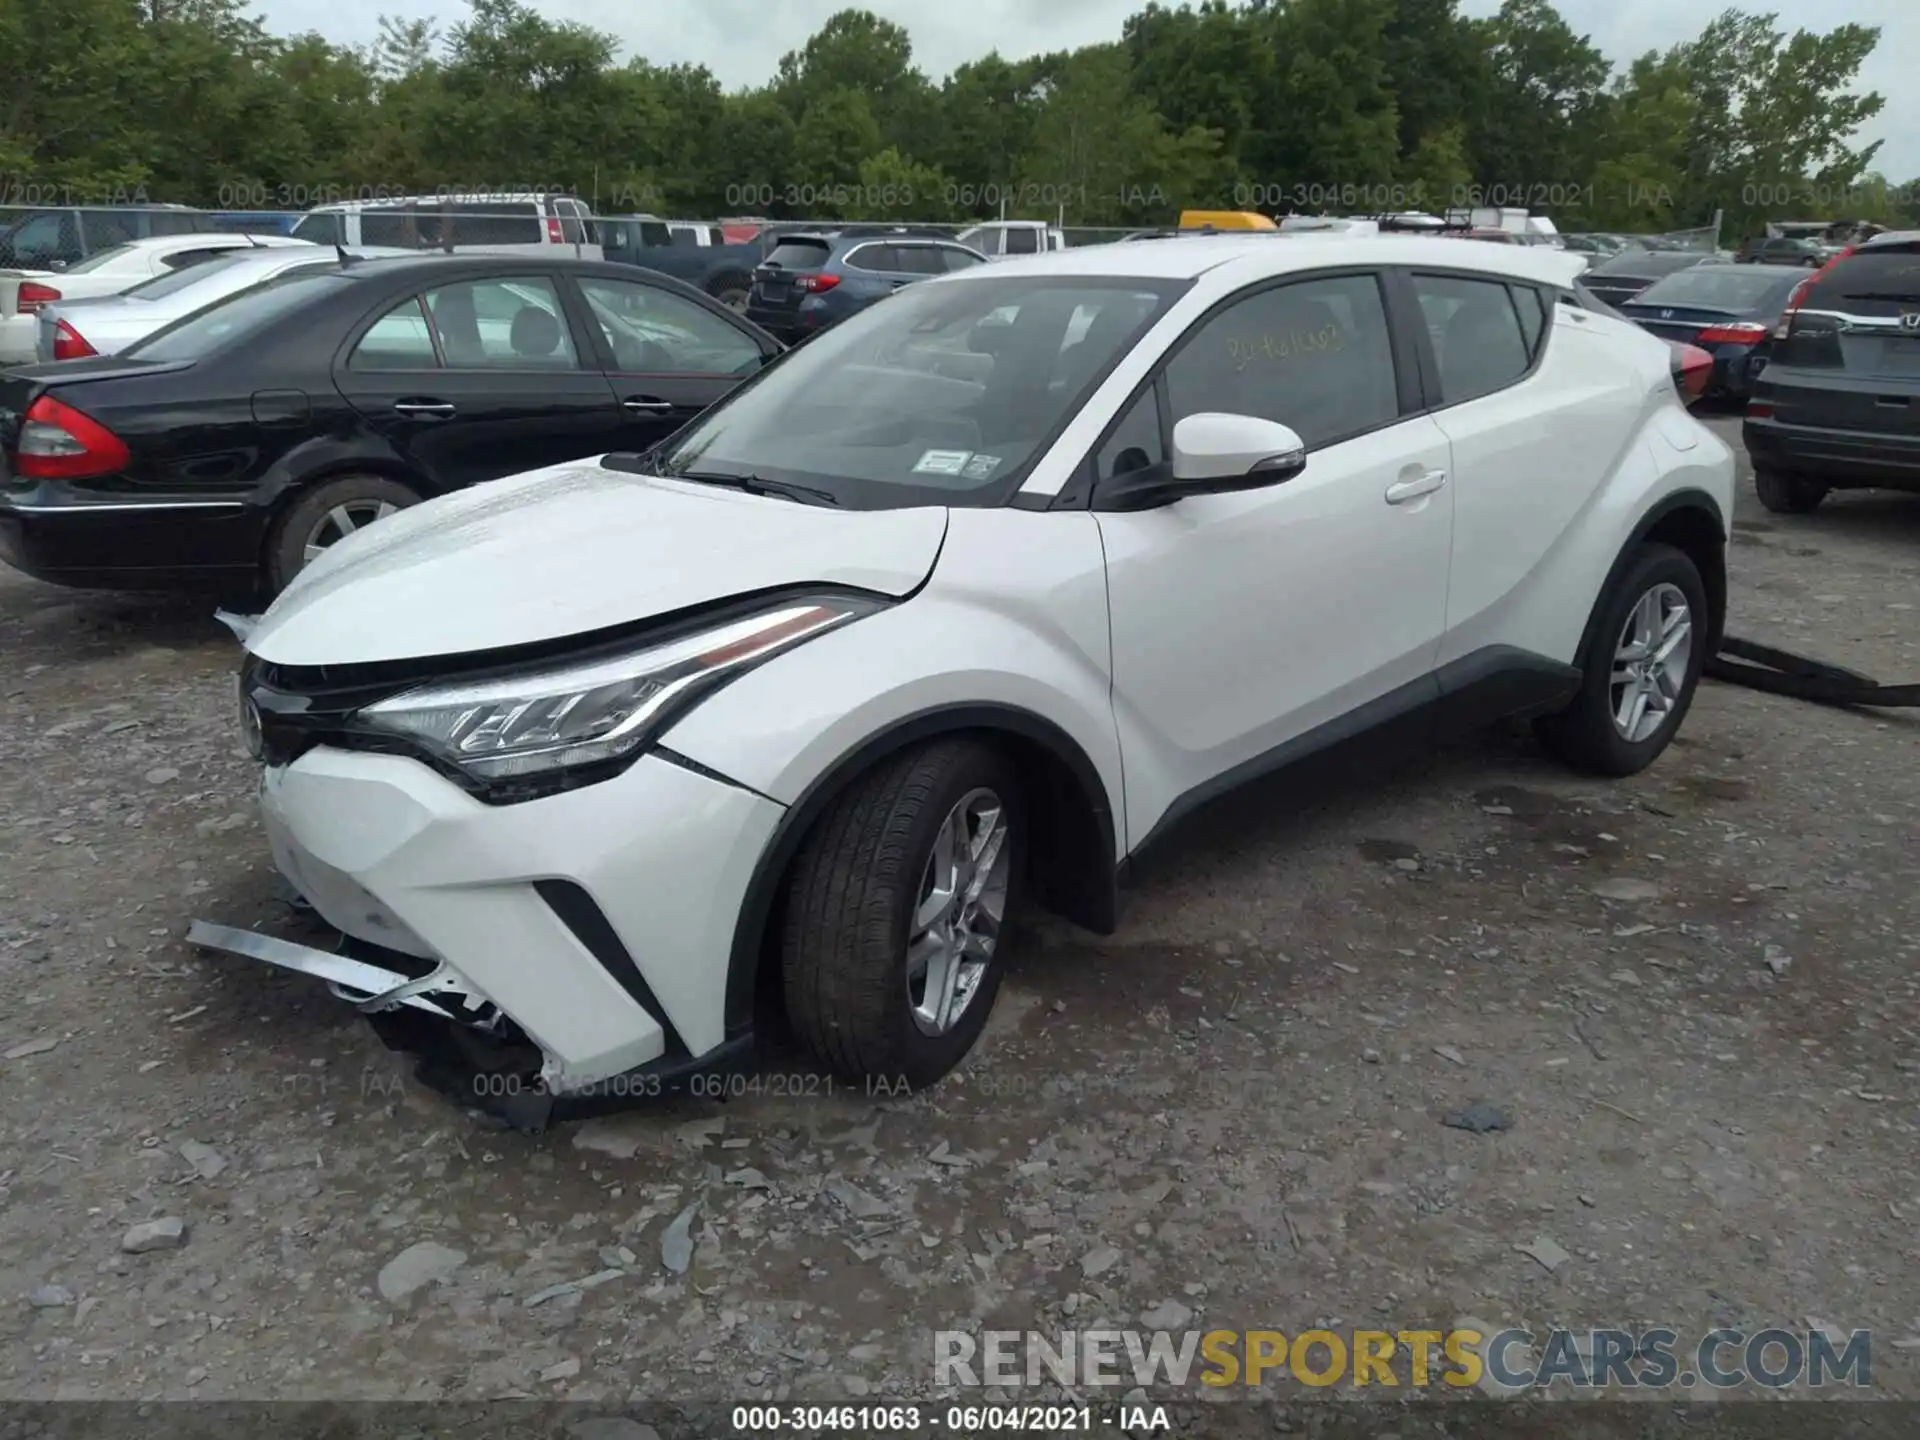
[{"x": 465, "y": 1046}]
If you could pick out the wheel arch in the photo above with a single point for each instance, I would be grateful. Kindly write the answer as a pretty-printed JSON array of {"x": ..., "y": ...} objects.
[
  {"x": 296, "y": 486},
  {"x": 1072, "y": 858},
  {"x": 1691, "y": 521}
]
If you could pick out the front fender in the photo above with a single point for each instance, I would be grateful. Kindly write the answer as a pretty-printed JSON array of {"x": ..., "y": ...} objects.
[{"x": 1014, "y": 617}]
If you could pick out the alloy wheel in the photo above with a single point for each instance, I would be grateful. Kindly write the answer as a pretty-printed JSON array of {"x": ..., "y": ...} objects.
[
  {"x": 956, "y": 922},
  {"x": 1650, "y": 663},
  {"x": 340, "y": 522}
]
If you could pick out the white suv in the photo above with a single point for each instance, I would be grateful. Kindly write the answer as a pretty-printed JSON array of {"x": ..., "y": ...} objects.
[
  {"x": 953, "y": 610},
  {"x": 506, "y": 224}
]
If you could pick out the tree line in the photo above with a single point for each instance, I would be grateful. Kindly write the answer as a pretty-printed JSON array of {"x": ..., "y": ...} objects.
[{"x": 1310, "y": 106}]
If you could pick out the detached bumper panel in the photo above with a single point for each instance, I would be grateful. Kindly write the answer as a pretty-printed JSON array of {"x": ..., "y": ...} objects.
[{"x": 598, "y": 921}]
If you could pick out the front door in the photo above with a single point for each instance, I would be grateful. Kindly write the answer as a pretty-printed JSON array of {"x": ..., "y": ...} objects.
[
  {"x": 478, "y": 379},
  {"x": 666, "y": 357},
  {"x": 1243, "y": 622}
]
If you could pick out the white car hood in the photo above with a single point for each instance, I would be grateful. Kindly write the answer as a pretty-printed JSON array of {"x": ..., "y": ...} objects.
[{"x": 570, "y": 550}]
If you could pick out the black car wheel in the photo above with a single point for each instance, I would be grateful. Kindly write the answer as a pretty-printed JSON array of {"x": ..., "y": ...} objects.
[
  {"x": 1785, "y": 493},
  {"x": 1642, "y": 668},
  {"x": 891, "y": 945},
  {"x": 324, "y": 516}
]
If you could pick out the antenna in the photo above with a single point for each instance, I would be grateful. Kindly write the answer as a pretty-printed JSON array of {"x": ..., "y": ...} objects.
[{"x": 341, "y": 251}]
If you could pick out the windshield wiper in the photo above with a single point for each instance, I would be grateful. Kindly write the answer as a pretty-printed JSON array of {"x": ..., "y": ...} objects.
[{"x": 755, "y": 485}]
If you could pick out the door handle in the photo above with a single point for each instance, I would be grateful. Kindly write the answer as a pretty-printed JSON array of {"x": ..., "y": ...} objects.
[
  {"x": 427, "y": 409},
  {"x": 646, "y": 405},
  {"x": 1405, "y": 490}
]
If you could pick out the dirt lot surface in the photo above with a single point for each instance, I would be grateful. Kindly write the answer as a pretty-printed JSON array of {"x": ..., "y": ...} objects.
[{"x": 1695, "y": 994}]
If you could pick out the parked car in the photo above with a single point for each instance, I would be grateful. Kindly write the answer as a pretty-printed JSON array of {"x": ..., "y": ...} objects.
[
  {"x": 258, "y": 222},
  {"x": 817, "y": 694},
  {"x": 1729, "y": 311},
  {"x": 105, "y": 272},
  {"x": 724, "y": 271},
  {"x": 1623, "y": 276},
  {"x": 1782, "y": 250},
  {"x": 508, "y": 224},
  {"x": 39, "y": 238},
  {"x": 1838, "y": 406},
  {"x": 810, "y": 281},
  {"x": 999, "y": 239},
  {"x": 108, "y": 324},
  {"x": 230, "y": 448}
]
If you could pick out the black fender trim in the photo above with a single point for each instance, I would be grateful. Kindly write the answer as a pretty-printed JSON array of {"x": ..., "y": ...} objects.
[
  {"x": 1689, "y": 499},
  {"x": 1097, "y": 907}
]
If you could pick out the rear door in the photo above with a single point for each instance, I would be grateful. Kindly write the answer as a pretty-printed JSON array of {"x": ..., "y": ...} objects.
[
  {"x": 478, "y": 379},
  {"x": 666, "y": 357}
]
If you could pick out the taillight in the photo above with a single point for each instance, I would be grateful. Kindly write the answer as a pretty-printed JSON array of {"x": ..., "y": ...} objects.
[
  {"x": 1757, "y": 411},
  {"x": 554, "y": 234},
  {"x": 816, "y": 284},
  {"x": 1692, "y": 369},
  {"x": 57, "y": 442},
  {"x": 70, "y": 344},
  {"x": 32, "y": 295},
  {"x": 1745, "y": 332}
]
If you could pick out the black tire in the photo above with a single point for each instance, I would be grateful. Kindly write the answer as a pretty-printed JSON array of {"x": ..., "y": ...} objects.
[
  {"x": 1584, "y": 735},
  {"x": 849, "y": 907},
  {"x": 1785, "y": 493},
  {"x": 731, "y": 291},
  {"x": 286, "y": 549}
]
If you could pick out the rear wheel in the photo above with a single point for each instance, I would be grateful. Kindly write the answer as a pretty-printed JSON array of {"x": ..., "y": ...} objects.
[
  {"x": 1648, "y": 649},
  {"x": 891, "y": 943},
  {"x": 731, "y": 291},
  {"x": 1786, "y": 493},
  {"x": 326, "y": 515}
]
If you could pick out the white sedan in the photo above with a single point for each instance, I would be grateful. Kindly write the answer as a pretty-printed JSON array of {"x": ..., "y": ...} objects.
[
  {"x": 598, "y": 768},
  {"x": 113, "y": 271}
]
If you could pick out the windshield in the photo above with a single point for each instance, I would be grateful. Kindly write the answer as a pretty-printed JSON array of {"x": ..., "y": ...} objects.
[
  {"x": 1730, "y": 288},
  {"x": 162, "y": 286},
  {"x": 941, "y": 394},
  {"x": 100, "y": 259},
  {"x": 233, "y": 318}
]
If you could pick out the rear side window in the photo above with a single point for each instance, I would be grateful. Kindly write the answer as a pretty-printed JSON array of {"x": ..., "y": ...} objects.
[
  {"x": 234, "y": 319},
  {"x": 799, "y": 254},
  {"x": 502, "y": 223},
  {"x": 1023, "y": 242},
  {"x": 110, "y": 227},
  {"x": 881, "y": 258},
  {"x": 321, "y": 228},
  {"x": 655, "y": 232},
  {"x": 1477, "y": 335},
  {"x": 919, "y": 260},
  {"x": 1878, "y": 283},
  {"x": 393, "y": 229}
]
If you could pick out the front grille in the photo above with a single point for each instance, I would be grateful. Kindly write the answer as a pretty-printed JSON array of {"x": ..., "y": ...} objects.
[{"x": 300, "y": 709}]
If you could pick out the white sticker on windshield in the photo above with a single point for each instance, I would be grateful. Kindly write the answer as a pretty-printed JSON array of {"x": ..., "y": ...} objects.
[
  {"x": 980, "y": 467},
  {"x": 942, "y": 462}
]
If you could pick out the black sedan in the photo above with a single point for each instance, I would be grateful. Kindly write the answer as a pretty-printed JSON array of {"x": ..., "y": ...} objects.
[
  {"x": 1619, "y": 279},
  {"x": 227, "y": 450},
  {"x": 1728, "y": 310}
]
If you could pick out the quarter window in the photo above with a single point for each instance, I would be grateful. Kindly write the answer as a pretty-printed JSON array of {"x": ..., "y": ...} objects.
[{"x": 1313, "y": 355}]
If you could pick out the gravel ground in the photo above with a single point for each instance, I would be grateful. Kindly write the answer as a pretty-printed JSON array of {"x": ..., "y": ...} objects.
[{"x": 1694, "y": 994}]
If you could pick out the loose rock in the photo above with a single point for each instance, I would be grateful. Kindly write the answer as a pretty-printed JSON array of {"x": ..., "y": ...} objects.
[
  {"x": 418, "y": 1266},
  {"x": 1480, "y": 1118},
  {"x": 167, "y": 1233}
]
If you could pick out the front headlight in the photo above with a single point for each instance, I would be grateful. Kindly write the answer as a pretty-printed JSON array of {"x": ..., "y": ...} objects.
[{"x": 541, "y": 721}]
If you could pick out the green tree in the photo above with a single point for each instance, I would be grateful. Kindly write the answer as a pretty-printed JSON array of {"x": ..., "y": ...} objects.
[
  {"x": 1535, "y": 134},
  {"x": 892, "y": 187}
]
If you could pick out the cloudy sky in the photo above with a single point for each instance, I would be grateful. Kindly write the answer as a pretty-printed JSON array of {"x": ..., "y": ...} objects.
[{"x": 742, "y": 40}]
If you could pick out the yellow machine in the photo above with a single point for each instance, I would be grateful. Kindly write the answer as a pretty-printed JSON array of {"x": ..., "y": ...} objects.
[{"x": 1224, "y": 220}]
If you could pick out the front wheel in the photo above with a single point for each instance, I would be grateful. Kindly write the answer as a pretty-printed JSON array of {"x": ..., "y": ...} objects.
[
  {"x": 1644, "y": 665},
  {"x": 890, "y": 947}
]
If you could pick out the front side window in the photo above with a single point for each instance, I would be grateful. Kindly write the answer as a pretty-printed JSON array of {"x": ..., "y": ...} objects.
[
  {"x": 943, "y": 395},
  {"x": 650, "y": 331},
  {"x": 1476, "y": 333},
  {"x": 1312, "y": 354}
]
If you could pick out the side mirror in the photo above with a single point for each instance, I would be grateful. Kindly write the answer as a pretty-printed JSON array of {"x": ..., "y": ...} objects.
[
  {"x": 1212, "y": 451},
  {"x": 1213, "y": 454}
]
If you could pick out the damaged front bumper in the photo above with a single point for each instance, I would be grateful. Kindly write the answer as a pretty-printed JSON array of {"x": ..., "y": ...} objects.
[
  {"x": 465, "y": 1046},
  {"x": 568, "y": 954}
]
